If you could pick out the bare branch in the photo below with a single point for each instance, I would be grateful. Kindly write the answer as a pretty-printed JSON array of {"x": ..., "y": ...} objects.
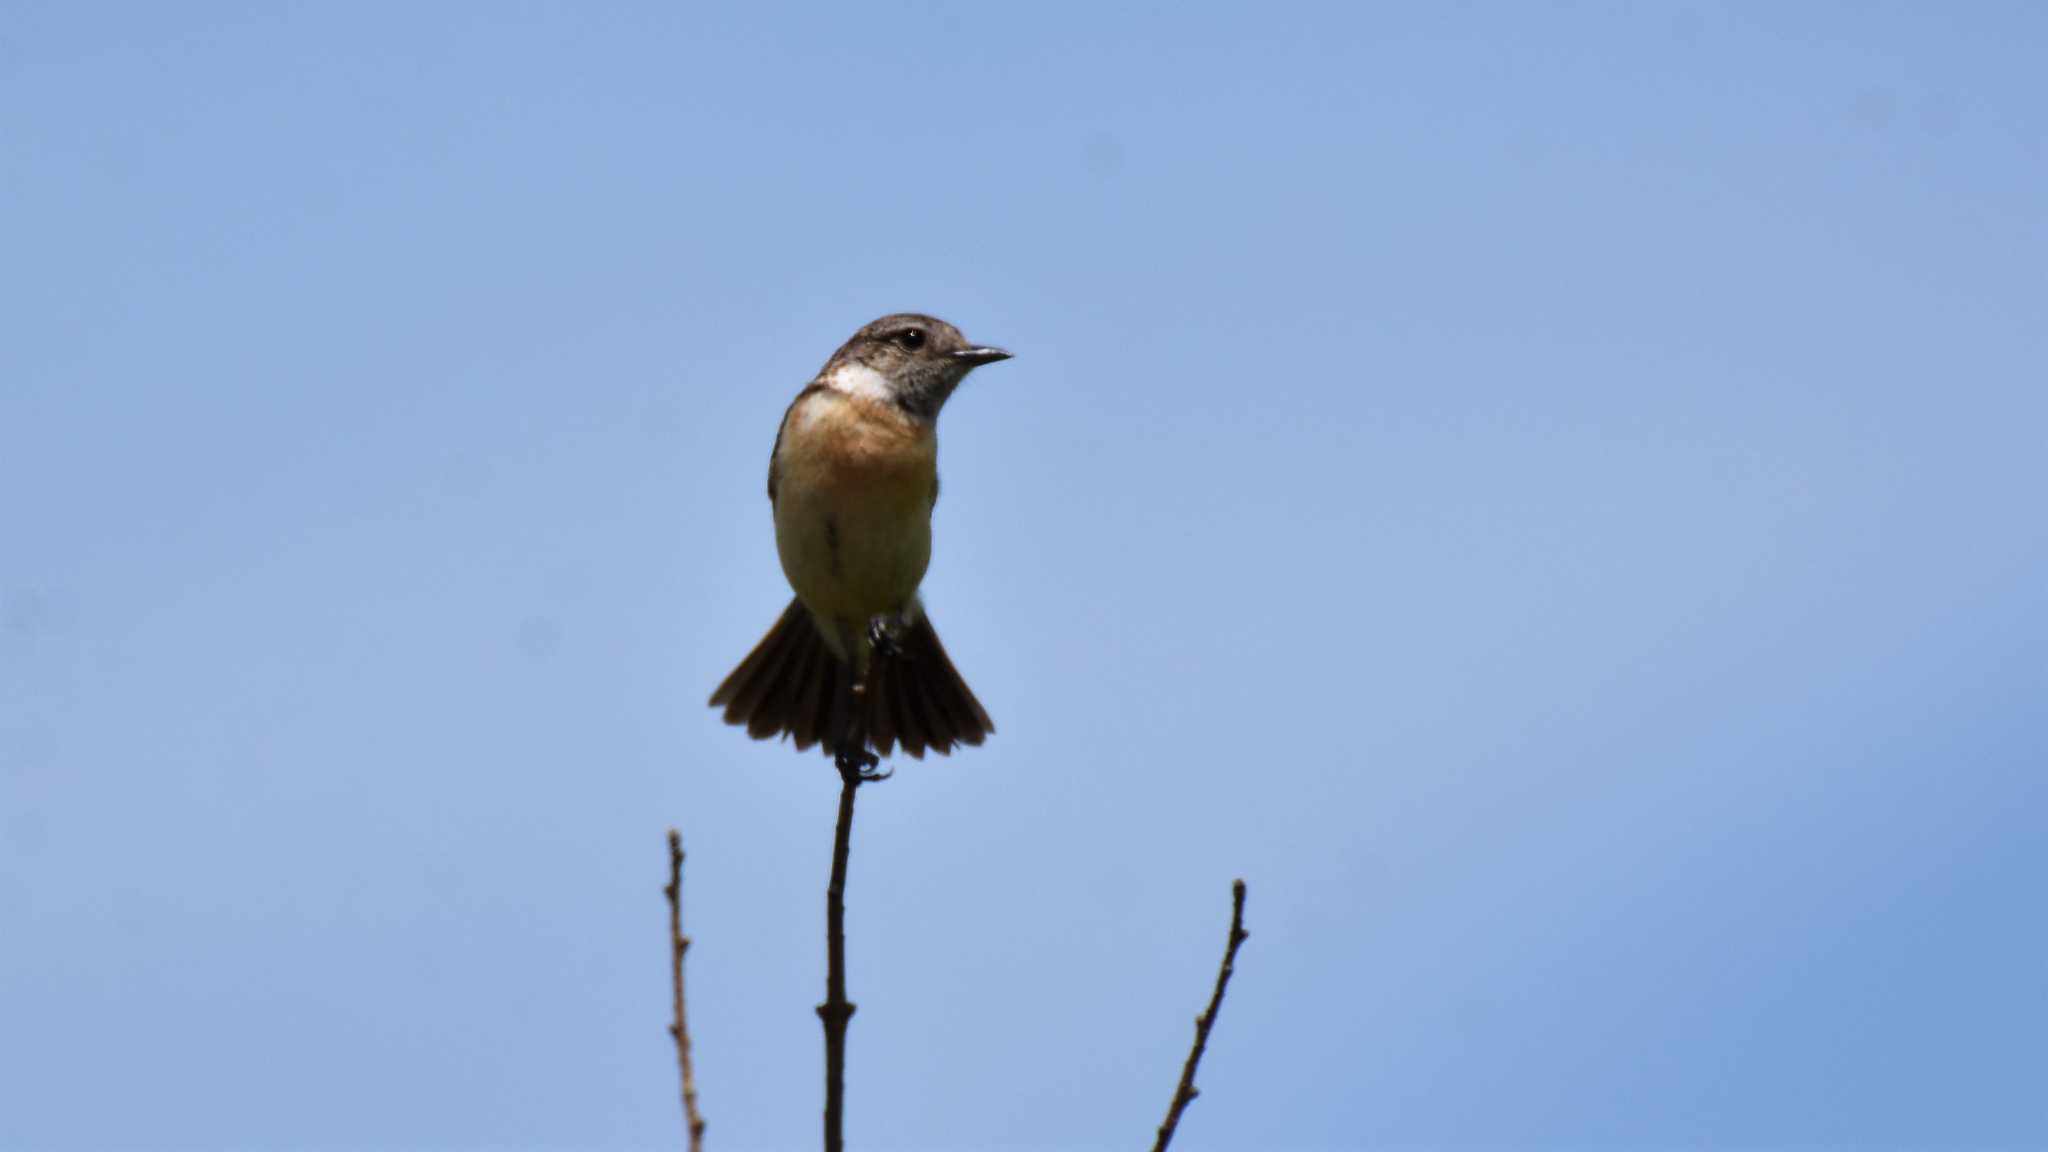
[
  {"x": 1186, "y": 1092},
  {"x": 680, "y": 1030},
  {"x": 856, "y": 767}
]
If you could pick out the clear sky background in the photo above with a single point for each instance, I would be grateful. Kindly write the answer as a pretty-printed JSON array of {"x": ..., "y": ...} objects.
[{"x": 1552, "y": 495}]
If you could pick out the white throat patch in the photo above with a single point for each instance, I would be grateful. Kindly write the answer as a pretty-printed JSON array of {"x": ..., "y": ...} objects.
[{"x": 860, "y": 380}]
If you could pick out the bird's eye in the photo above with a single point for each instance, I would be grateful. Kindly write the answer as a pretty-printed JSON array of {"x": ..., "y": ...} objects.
[{"x": 911, "y": 339}]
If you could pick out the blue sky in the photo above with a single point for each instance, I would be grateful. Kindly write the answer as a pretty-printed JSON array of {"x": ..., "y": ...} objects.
[{"x": 1551, "y": 495}]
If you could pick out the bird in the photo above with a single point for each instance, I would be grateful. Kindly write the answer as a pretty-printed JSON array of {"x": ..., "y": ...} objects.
[{"x": 853, "y": 663}]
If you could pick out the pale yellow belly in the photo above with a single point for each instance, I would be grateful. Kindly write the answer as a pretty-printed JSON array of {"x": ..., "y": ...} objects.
[{"x": 850, "y": 555}]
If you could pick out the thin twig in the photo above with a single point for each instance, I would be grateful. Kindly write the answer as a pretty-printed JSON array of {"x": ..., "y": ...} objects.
[
  {"x": 857, "y": 766},
  {"x": 680, "y": 1030},
  {"x": 837, "y": 1009},
  {"x": 1186, "y": 1093}
]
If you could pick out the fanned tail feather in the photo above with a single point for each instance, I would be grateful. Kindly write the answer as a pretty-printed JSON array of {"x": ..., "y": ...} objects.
[{"x": 792, "y": 684}]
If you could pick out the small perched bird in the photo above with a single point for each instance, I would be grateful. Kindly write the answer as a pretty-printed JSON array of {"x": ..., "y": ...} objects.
[{"x": 853, "y": 664}]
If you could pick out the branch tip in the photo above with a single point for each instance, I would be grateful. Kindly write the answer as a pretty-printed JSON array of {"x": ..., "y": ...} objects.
[{"x": 1185, "y": 1093}]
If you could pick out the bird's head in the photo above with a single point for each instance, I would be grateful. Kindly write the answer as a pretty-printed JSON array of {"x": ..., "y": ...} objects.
[{"x": 910, "y": 360}]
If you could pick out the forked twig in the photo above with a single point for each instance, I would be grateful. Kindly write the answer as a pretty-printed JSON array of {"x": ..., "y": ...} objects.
[
  {"x": 680, "y": 1030},
  {"x": 1186, "y": 1092}
]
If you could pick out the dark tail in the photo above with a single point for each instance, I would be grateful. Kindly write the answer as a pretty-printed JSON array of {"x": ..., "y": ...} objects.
[{"x": 792, "y": 685}]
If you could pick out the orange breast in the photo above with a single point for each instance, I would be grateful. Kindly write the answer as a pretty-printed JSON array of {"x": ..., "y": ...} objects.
[{"x": 864, "y": 450}]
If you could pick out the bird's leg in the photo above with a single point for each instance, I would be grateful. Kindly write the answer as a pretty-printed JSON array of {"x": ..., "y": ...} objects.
[
  {"x": 859, "y": 659},
  {"x": 855, "y": 761}
]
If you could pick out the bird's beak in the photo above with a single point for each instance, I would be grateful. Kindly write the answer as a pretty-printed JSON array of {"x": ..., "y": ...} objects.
[{"x": 976, "y": 356}]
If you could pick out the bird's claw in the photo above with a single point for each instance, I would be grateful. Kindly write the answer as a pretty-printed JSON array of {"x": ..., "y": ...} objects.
[{"x": 859, "y": 764}]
